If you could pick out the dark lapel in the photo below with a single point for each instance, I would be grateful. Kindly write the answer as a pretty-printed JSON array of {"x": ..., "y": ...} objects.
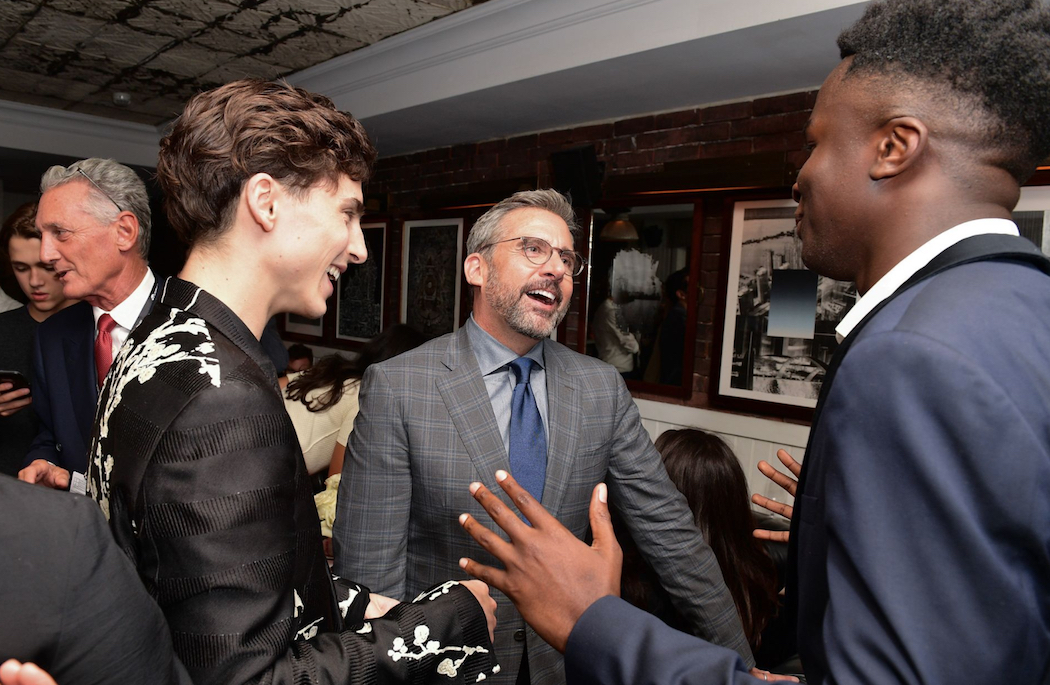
[
  {"x": 78, "y": 344},
  {"x": 467, "y": 401},
  {"x": 563, "y": 418},
  {"x": 975, "y": 249}
]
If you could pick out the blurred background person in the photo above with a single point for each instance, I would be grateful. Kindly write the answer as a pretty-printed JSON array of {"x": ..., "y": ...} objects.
[
  {"x": 20, "y": 247},
  {"x": 704, "y": 469},
  {"x": 616, "y": 345},
  {"x": 322, "y": 400},
  {"x": 300, "y": 358}
]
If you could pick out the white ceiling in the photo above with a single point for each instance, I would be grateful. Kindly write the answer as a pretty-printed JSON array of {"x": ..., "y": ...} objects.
[{"x": 509, "y": 67}]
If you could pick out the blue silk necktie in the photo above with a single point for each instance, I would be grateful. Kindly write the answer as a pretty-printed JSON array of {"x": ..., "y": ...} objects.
[{"x": 528, "y": 443}]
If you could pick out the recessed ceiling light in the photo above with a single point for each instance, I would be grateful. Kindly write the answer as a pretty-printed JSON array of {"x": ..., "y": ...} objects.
[{"x": 121, "y": 99}]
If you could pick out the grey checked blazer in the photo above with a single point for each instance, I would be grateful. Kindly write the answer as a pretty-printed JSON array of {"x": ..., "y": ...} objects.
[{"x": 426, "y": 430}]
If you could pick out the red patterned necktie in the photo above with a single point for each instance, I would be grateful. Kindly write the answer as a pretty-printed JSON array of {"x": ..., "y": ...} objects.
[{"x": 104, "y": 347}]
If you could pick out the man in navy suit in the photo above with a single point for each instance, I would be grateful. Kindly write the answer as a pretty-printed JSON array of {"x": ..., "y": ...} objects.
[
  {"x": 94, "y": 219},
  {"x": 920, "y": 540}
]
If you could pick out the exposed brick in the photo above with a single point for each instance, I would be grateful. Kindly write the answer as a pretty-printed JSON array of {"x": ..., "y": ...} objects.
[
  {"x": 792, "y": 122},
  {"x": 736, "y": 110},
  {"x": 492, "y": 146},
  {"x": 441, "y": 153},
  {"x": 626, "y": 127},
  {"x": 688, "y": 117},
  {"x": 779, "y": 142},
  {"x": 668, "y": 138},
  {"x": 586, "y": 134},
  {"x": 676, "y": 154},
  {"x": 709, "y": 261},
  {"x": 621, "y": 144},
  {"x": 712, "y": 132},
  {"x": 434, "y": 167},
  {"x": 627, "y": 160},
  {"x": 725, "y": 149},
  {"x": 482, "y": 161},
  {"x": 461, "y": 151},
  {"x": 522, "y": 142},
  {"x": 556, "y": 138},
  {"x": 711, "y": 243},
  {"x": 792, "y": 102}
]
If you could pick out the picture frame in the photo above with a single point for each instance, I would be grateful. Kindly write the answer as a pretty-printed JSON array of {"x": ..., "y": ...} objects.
[
  {"x": 431, "y": 259},
  {"x": 1032, "y": 216},
  {"x": 777, "y": 318},
  {"x": 360, "y": 291},
  {"x": 312, "y": 329}
]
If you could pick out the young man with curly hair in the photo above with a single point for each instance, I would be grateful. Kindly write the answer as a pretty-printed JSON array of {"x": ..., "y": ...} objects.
[
  {"x": 194, "y": 458},
  {"x": 921, "y": 526}
]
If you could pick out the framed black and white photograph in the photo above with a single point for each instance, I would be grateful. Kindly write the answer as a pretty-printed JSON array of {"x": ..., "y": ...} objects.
[
  {"x": 779, "y": 317},
  {"x": 293, "y": 323},
  {"x": 359, "y": 298},
  {"x": 432, "y": 258},
  {"x": 1032, "y": 216}
]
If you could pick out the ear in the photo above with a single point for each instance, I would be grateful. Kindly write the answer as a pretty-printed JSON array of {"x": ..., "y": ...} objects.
[
  {"x": 260, "y": 195},
  {"x": 902, "y": 141},
  {"x": 127, "y": 232},
  {"x": 474, "y": 267}
]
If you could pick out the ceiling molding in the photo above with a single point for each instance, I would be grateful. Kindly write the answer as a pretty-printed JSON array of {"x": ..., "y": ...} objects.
[{"x": 54, "y": 131}]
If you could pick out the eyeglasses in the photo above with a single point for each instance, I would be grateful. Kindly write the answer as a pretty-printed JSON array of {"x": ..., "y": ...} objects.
[
  {"x": 539, "y": 251},
  {"x": 98, "y": 188}
]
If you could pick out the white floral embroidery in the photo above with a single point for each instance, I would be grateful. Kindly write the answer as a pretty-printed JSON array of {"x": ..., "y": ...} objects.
[
  {"x": 298, "y": 604},
  {"x": 481, "y": 676},
  {"x": 447, "y": 667},
  {"x": 365, "y": 629},
  {"x": 308, "y": 631},
  {"x": 138, "y": 363},
  {"x": 436, "y": 592},
  {"x": 344, "y": 606}
]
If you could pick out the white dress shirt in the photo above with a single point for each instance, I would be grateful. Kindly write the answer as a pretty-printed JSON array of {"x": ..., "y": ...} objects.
[{"x": 126, "y": 314}]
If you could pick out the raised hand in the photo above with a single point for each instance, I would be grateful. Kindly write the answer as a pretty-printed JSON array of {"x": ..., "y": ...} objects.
[
  {"x": 789, "y": 484},
  {"x": 551, "y": 576}
]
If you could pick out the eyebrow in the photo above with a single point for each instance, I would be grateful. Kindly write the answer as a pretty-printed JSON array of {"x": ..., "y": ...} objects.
[{"x": 354, "y": 205}]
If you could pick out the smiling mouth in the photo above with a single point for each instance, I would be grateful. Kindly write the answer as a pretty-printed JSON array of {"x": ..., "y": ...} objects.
[
  {"x": 544, "y": 297},
  {"x": 333, "y": 273}
]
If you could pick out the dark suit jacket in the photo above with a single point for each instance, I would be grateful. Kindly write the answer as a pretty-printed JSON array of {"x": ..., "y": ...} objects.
[
  {"x": 65, "y": 388},
  {"x": 196, "y": 461},
  {"x": 71, "y": 600},
  {"x": 426, "y": 430},
  {"x": 922, "y": 520}
]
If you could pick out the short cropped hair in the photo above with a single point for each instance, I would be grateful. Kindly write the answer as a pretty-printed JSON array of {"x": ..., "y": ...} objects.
[
  {"x": 487, "y": 228},
  {"x": 113, "y": 188},
  {"x": 993, "y": 53},
  {"x": 226, "y": 135},
  {"x": 21, "y": 223}
]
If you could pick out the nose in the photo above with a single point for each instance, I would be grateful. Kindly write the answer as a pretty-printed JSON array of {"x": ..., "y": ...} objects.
[
  {"x": 554, "y": 266},
  {"x": 795, "y": 194},
  {"x": 37, "y": 276},
  {"x": 356, "y": 249},
  {"x": 48, "y": 253}
]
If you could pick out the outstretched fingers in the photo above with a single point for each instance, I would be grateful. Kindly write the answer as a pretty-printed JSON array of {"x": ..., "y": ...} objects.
[
  {"x": 787, "y": 460},
  {"x": 786, "y": 482}
]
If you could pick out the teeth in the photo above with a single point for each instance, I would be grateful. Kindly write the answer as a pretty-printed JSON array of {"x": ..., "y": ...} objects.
[
  {"x": 333, "y": 274},
  {"x": 543, "y": 293}
]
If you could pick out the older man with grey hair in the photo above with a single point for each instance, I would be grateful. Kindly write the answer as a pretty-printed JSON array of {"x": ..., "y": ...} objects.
[
  {"x": 94, "y": 219},
  {"x": 499, "y": 394}
]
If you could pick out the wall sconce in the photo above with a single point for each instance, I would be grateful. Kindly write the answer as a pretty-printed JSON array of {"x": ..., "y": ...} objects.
[{"x": 619, "y": 229}]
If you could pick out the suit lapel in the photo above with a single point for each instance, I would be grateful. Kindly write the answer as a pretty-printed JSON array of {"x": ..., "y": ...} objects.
[
  {"x": 78, "y": 345},
  {"x": 463, "y": 391},
  {"x": 563, "y": 418}
]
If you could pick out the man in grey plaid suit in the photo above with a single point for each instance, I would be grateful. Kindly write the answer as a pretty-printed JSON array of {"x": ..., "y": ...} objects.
[{"x": 437, "y": 418}]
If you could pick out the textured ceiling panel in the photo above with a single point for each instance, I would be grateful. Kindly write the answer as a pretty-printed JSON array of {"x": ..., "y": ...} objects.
[
  {"x": 381, "y": 18},
  {"x": 75, "y": 54}
]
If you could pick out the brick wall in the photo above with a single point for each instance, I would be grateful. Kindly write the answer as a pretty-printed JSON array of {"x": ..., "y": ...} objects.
[{"x": 645, "y": 150}]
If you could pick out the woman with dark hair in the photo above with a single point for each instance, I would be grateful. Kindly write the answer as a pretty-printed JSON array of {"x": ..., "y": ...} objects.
[
  {"x": 322, "y": 400},
  {"x": 705, "y": 470}
]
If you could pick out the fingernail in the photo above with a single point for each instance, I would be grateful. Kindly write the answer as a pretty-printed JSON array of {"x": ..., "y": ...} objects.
[
  {"x": 603, "y": 493},
  {"x": 501, "y": 476},
  {"x": 463, "y": 563},
  {"x": 474, "y": 487},
  {"x": 462, "y": 519}
]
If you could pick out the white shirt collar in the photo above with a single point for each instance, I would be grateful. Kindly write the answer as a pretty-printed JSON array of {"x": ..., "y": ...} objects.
[
  {"x": 910, "y": 265},
  {"x": 126, "y": 314}
]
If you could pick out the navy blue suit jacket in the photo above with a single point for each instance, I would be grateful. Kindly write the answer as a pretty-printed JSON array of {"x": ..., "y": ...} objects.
[
  {"x": 922, "y": 520},
  {"x": 65, "y": 387}
]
